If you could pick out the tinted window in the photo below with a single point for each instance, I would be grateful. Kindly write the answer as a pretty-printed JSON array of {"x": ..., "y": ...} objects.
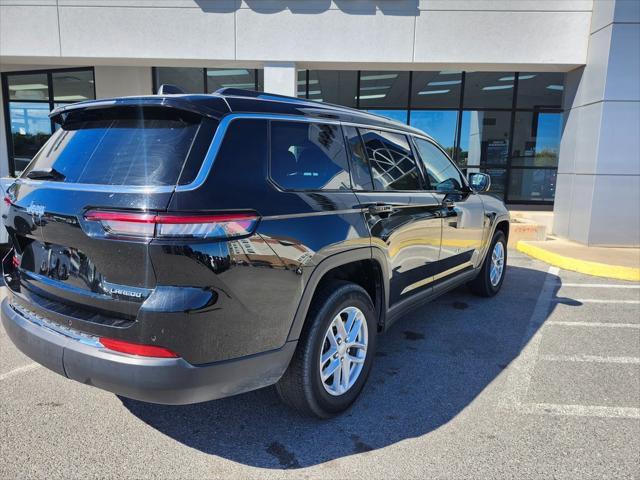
[
  {"x": 392, "y": 164},
  {"x": 308, "y": 156},
  {"x": 359, "y": 165},
  {"x": 120, "y": 146},
  {"x": 442, "y": 175}
]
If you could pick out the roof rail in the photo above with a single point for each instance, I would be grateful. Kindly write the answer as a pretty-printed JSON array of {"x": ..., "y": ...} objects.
[{"x": 241, "y": 92}]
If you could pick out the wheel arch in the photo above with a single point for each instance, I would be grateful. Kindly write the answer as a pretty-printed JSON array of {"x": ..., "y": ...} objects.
[{"x": 363, "y": 266}]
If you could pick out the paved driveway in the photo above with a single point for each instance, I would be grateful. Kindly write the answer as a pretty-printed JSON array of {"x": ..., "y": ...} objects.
[{"x": 541, "y": 381}]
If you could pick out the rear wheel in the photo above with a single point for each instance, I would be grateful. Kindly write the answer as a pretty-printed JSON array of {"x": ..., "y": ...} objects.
[
  {"x": 491, "y": 276},
  {"x": 334, "y": 354}
]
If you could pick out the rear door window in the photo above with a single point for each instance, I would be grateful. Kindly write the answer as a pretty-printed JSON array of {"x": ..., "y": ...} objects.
[
  {"x": 442, "y": 175},
  {"x": 308, "y": 156},
  {"x": 392, "y": 164},
  {"x": 120, "y": 146}
]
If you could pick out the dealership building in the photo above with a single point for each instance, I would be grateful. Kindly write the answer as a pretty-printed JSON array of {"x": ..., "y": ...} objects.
[{"x": 543, "y": 95}]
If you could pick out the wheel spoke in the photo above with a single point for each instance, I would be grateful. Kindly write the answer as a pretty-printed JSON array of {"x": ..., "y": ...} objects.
[
  {"x": 359, "y": 346},
  {"x": 328, "y": 354},
  {"x": 346, "y": 374},
  {"x": 354, "y": 359},
  {"x": 332, "y": 337},
  {"x": 331, "y": 368},
  {"x": 337, "y": 378},
  {"x": 355, "y": 329},
  {"x": 351, "y": 318},
  {"x": 342, "y": 332}
]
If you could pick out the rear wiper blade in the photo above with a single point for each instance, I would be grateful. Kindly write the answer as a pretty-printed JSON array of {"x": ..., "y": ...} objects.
[{"x": 48, "y": 173}]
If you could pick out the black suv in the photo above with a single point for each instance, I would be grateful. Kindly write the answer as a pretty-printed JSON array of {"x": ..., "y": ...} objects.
[{"x": 182, "y": 248}]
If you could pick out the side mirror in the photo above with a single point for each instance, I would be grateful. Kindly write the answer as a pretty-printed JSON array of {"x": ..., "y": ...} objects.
[{"x": 480, "y": 182}]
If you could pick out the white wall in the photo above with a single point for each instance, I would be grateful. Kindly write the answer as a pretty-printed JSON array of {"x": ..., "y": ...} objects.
[{"x": 488, "y": 34}]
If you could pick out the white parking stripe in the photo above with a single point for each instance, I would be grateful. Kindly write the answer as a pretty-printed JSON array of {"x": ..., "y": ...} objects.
[
  {"x": 597, "y": 300},
  {"x": 595, "y": 324},
  {"x": 19, "y": 370},
  {"x": 590, "y": 359},
  {"x": 597, "y": 285},
  {"x": 521, "y": 368},
  {"x": 579, "y": 410}
]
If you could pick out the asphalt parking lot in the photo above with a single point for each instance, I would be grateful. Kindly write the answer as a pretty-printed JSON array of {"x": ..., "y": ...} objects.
[{"x": 541, "y": 381}]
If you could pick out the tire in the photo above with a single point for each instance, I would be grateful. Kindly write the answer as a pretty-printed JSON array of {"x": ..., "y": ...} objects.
[
  {"x": 482, "y": 285},
  {"x": 301, "y": 386}
]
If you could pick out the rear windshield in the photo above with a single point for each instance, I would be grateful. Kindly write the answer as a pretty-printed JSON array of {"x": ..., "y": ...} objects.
[{"x": 119, "y": 146}]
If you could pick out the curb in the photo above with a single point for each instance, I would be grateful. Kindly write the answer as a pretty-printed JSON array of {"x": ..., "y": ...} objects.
[{"x": 582, "y": 266}]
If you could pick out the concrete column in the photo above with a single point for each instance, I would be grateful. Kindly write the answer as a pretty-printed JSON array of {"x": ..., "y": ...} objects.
[
  {"x": 598, "y": 189},
  {"x": 280, "y": 78}
]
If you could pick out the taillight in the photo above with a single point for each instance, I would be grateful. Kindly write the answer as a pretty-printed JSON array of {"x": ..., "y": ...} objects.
[
  {"x": 145, "y": 225},
  {"x": 137, "y": 348},
  {"x": 7, "y": 200}
]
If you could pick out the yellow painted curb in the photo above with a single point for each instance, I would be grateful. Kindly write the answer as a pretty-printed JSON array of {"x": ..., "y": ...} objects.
[{"x": 582, "y": 266}]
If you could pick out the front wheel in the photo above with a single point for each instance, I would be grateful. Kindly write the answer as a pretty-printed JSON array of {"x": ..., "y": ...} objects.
[
  {"x": 491, "y": 276},
  {"x": 334, "y": 354}
]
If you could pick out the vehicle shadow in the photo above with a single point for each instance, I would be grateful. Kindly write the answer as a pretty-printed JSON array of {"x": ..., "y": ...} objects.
[{"x": 429, "y": 367}]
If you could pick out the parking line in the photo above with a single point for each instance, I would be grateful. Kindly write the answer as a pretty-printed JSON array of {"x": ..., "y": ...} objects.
[
  {"x": 597, "y": 300},
  {"x": 594, "y": 324},
  {"x": 598, "y": 285},
  {"x": 590, "y": 359},
  {"x": 521, "y": 368},
  {"x": 579, "y": 410},
  {"x": 19, "y": 370}
]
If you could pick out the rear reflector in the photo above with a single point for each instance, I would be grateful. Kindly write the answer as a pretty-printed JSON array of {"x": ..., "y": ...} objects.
[
  {"x": 137, "y": 348},
  {"x": 172, "y": 225}
]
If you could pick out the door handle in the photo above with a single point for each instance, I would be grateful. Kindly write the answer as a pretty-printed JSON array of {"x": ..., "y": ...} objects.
[
  {"x": 380, "y": 208},
  {"x": 447, "y": 203},
  {"x": 377, "y": 208}
]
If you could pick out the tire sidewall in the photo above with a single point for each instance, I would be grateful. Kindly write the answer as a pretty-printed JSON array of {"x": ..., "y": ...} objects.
[{"x": 346, "y": 296}]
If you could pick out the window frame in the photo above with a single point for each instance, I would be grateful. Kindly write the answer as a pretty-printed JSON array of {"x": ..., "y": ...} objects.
[
  {"x": 307, "y": 121},
  {"x": 4, "y": 81}
]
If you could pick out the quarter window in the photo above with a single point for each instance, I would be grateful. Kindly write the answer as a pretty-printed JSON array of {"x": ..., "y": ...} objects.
[
  {"x": 308, "y": 156},
  {"x": 392, "y": 164},
  {"x": 443, "y": 176}
]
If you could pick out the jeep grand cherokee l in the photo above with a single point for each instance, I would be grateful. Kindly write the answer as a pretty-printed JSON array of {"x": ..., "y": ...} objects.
[{"x": 182, "y": 248}]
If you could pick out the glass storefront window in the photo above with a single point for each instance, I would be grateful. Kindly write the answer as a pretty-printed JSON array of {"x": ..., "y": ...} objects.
[
  {"x": 383, "y": 89},
  {"x": 31, "y": 87},
  {"x": 441, "y": 125},
  {"x": 30, "y": 128},
  {"x": 301, "y": 88},
  {"x": 397, "y": 115},
  {"x": 73, "y": 86},
  {"x": 436, "y": 89},
  {"x": 532, "y": 184},
  {"x": 333, "y": 86},
  {"x": 498, "y": 181},
  {"x": 230, "y": 78},
  {"x": 484, "y": 139},
  {"x": 208, "y": 80},
  {"x": 29, "y": 104},
  {"x": 540, "y": 90},
  {"x": 488, "y": 90},
  {"x": 189, "y": 80},
  {"x": 536, "y": 139}
]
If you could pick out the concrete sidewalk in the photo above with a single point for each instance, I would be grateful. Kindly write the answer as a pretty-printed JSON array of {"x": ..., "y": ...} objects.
[{"x": 608, "y": 262}]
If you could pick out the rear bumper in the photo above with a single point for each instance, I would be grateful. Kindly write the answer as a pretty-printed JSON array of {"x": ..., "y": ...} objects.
[{"x": 158, "y": 380}]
